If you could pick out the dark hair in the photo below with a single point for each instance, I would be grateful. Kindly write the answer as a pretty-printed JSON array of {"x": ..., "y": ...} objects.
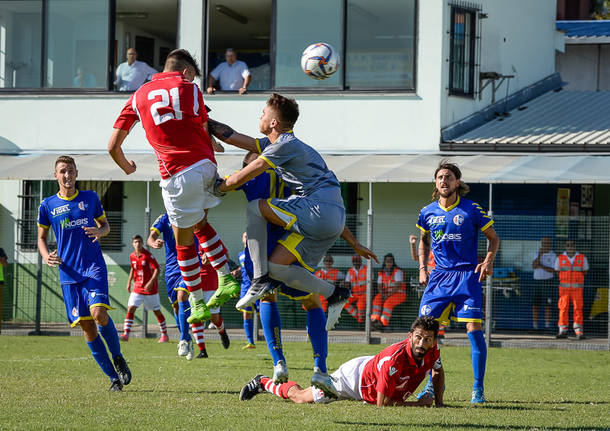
[
  {"x": 286, "y": 108},
  {"x": 427, "y": 323},
  {"x": 393, "y": 259},
  {"x": 463, "y": 188},
  {"x": 249, "y": 158},
  {"x": 180, "y": 59},
  {"x": 137, "y": 236},
  {"x": 328, "y": 256},
  {"x": 65, "y": 159}
]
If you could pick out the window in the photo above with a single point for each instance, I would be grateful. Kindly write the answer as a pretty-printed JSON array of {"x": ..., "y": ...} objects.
[{"x": 462, "y": 51}]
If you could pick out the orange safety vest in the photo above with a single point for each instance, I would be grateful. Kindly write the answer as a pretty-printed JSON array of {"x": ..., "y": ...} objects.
[
  {"x": 431, "y": 262},
  {"x": 571, "y": 275},
  {"x": 386, "y": 279},
  {"x": 330, "y": 275},
  {"x": 358, "y": 280}
]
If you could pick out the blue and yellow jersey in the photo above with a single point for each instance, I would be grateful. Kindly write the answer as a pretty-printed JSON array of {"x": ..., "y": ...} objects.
[
  {"x": 246, "y": 269},
  {"x": 265, "y": 186},
  {"x": 82, "y": 258},
  {"x": 454, "y": 232}
]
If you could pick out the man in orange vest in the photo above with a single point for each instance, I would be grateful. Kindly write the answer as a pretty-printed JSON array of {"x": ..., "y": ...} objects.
[
  {"x": 392, "y": 292},
  {"x": 330, "y": 274},
  {"x": 572, "y": 268},
  {"x": 356, "y": 277}
]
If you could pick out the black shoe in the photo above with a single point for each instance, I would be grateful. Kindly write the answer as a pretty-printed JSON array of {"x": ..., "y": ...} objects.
[
  {"x": 254, "y": 387},
  {"x": 562, "y": 335},
  {"x": 116, "y": 386},
  {"x": 122, "y": 369},
  {"x": 580, "y": 337},
  {"x": 224, "y": 338},
  {"x": 202, "y": 354}
]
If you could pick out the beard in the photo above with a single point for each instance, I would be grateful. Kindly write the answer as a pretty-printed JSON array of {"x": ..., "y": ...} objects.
[{"x": 418, "y": 352}]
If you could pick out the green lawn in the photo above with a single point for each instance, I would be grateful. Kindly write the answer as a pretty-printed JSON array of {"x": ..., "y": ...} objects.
[{"x": 53, "y": 383}]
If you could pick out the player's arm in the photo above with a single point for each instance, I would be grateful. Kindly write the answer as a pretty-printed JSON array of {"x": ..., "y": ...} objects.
[
  {"x": 152, "y": 280},
  {"x": 486, "y": 268},
  {"x": 413, "y": 248},
  {"x": 242, "y": 176},
  {"x": 424, "y": 251},
  {"x": 51, "y": 259},
  {"x": 383, "y": 400},
  {"x": 227, "y": 134},
  {"x": 101, "y": 229},
  {"x": 217, "y": 145},
  {"x": 129, "y": 278},
  {"x": 438, "y": 381},
  {"x": 154, "y": 241},
  {"x": 116, "y": 152},
  {"x": 349, "y": 237}
]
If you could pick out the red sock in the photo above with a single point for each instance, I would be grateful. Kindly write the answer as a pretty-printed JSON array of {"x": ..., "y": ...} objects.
[
  {"x": 212, "y": 246},
  {"x": 188, "y": 261},
  {"x": 198, "y": 335},
  {"x": 220, "y": 325},
  {"x": 162, "y": 325},
  {"x": 280, "y": 390},
  {"x": 209, "y": 277},
  {"x": 127, "y": 323}
]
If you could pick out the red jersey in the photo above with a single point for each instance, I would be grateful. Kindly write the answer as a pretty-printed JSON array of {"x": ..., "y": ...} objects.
[
  {"x": 143, "y": 267},
  {"x": 172, "y": 113},
  {"x": 395, "y": 373}
]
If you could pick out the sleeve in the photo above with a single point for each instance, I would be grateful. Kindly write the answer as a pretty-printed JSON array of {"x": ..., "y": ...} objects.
[
  {"x": 43, "y": 216},
  {"x": 398, "y": 276},
  {"x": 128, "y": 116},
  {"x": 422, "y": 224},
  {"x": 98, "y": 212},
  {"x": 482, "y": 220},
  {"x": 556, "y": 264},
  {"x": 157, "y": 225},
  {"x": 153, "y": 262},
  {"x": 245, "y": 72},
  {"x": 202, "y": 111},
  {"x": 216, "y": 72},
  {"x": 261, "y": 144},
  {"x": 277, "y": 154},
  {"x": 585, "y": 265},
  {"x": 387, "y": 378}
]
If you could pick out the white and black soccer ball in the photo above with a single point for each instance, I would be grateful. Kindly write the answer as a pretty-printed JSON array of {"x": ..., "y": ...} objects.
[{"x": 320, "y": 60}]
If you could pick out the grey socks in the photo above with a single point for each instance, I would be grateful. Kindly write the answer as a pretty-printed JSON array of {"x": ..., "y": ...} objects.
[{"x": 256, "y": 230}]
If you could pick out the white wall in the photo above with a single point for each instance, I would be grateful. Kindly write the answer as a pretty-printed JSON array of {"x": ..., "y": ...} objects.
[
  {"x": 580, "y": 65},
  {"x": 9, "y": 213}
]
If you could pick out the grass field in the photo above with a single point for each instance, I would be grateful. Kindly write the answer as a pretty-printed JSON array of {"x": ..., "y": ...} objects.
[{"x": 53, "y": 383}]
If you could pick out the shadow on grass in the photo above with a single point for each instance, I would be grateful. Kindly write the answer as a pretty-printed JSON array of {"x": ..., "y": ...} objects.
[
  {"x": 182, "y": 391},
  {"x": 469, "y": 426}
]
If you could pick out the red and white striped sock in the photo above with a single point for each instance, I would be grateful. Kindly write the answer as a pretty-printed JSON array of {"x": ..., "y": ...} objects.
[
  {"x": 162, "y": 325},
  {"x": 220, "y": 325},
  {"x": 188, "y": 261},
  {"x": 127, "y": 323},
  {"x": 214, "y": 249},
  {"x": 198, "y": 335},
  {"x": 280, "y": 390}
]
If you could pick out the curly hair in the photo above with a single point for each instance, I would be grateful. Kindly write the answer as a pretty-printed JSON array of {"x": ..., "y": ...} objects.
[
  {"x": 427, "y": 323},
  {"x": 462, "y": 189}
]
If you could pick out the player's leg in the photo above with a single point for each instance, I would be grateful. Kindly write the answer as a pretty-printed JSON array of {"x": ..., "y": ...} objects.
[
  {"x": 577, "y": 303},
  {"x": 272, "y": 329},
  {"x": 164, "y": 338},
  {"x": 388, "y": 306},
  {"x": 248, "y": 328},
  {"x": 134, "y": 301},
  {"x": 564, "y": 312},
  {"x": 211, "y": 282}
]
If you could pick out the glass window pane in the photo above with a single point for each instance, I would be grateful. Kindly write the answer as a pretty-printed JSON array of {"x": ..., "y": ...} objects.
[
  {"x": 20, "y": 43},
  {"x": 299, "y": 24},
  {"x": 380, "y": 44},
  {"x": 77, "y": 44}
]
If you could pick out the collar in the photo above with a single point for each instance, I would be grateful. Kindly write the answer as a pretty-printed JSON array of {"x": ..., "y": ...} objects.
[
  {"x": 457, "y": 202},
  {"x": 67, "y": 199},
  {"x": 162, "y": 75}
]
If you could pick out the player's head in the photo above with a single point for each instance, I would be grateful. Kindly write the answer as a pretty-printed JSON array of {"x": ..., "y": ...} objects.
[
  {"x": 357, "y": 260},
  {"x": 570, "y": 247},
  {"x": 180, "y": 60},
  {"x": 423, "y": 335},
  {"x": 280, "y": 114},
  {"x": 137, "y": 243},
  {"x": 230, "y": 56},
  {"x": 546, "y": 243},
  {"x": 249, "y": 158},
  {"x": 328, "y": 261},
  {"x": 131, "y": 55},
  {"x": 389, "y": 262},
  {"x": 65, "y": 172},
  {"x": 448, "y": 180}
]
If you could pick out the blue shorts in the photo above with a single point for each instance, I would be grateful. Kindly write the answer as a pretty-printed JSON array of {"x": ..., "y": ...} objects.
[
  {"x": 79, "y": 297},
  {"x": 172, "y": 285},
  {"x": 456, "y": 295}
]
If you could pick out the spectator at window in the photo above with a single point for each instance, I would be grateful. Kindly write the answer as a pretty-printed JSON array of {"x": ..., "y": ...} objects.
[
  {"x": 84, "y": 79},
  {"x": 131, "y": 74},
  {"x": 232, "y": 74},
  {"x": 392, "y": 292}
]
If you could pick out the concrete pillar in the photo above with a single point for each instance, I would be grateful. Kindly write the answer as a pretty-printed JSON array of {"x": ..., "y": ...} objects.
[{"x": 192, "y": 32}]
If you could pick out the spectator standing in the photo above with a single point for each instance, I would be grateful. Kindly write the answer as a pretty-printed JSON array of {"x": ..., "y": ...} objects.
[
  {"x": 544, "y": 272},
  {"x": 572, "y": 267},
  {"x": 392, "y": 292},
  {"x": 356, "y": 277},
  {"x": 330, "y": 274},
  {"x": 131, "y": 74},
  {"x": 232, "y": 74}
]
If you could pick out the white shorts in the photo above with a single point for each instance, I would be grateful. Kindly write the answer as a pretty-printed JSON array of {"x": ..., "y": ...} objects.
[
  {"x": 188, "y": 194},
  {"x": 151, "y": 302},
  {"x": 207, "y": 294},
  {"x": 346, "y": 380}
]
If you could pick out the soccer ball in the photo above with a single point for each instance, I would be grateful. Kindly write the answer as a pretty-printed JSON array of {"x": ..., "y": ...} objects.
[{"x": 320, "y": 61}]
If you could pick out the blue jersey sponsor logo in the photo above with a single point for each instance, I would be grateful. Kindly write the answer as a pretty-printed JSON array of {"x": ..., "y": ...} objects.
[
  {"x": 57, "y": 211},
  {"x": 83, "y": 206},
  {"x": 71, "y": 224},
  {"x": 425, "y": 310},
  {"x": 440, "y": 236},
  {"x": 436, "y": 220}
]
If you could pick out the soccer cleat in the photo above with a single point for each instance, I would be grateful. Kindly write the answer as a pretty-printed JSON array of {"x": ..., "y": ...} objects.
[
  {"x": 280, "y": 372},
  {"x": 249, "y": 346},
  {"x": 202, "y": 354},
  {"x": 324, "y": 382},
  {"x": 427, "y": 392},
  {"x": 224, "y": 339},
  {"x": 122, "y": 369},
  {"x": 580, "y": 336},
  {"x": 562, "y": 335},
  {"x": 254, "y": 387},
  {"x": 116, "y": 385},
  {"x": 228, "y": 288},
  {"x": 183, "y": 348},
  {"x": 260, "y": 287},
  {"x": 336, "y": 302},
  {"x": 199, "y": 312},
  {"x": 163, "y": 338},
  {"x": 190, "y": 354},
  {"x": 124, "y": 337},
  {"x": 478, "y": 397}
]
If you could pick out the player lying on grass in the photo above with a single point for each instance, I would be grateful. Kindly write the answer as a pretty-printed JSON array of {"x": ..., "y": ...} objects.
[{"x": 387, "y": 378}]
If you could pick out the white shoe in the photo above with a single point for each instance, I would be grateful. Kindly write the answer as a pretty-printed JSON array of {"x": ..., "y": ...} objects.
[
  {"x": 334, "y": 312},
  {"x": 183, "y": 348},
  {"x": 324, "y": 382},
  {"x": 280, "y": 372},
  {"x": 259, "y": 287},
  {"x": 190, "y": 355}
]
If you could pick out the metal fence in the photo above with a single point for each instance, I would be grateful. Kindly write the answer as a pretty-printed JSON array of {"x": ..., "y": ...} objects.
[{"x": 32, "y": 292}]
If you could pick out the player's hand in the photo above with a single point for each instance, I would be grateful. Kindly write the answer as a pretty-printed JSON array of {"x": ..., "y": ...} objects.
[
  {"x": 129, "y": 287},
  {"x": 365, "y": 252},
  {"x": 242, "y": 90},
  {"x": 485, "y": 269},
  {"x": 92, "y": 232},
  {"x": 53, "y": 259},
  {"x": 211, "y": 90},
  {"x": 158, "y": 243},
  {"x": 130, "y": 168},
  {"x": 423, "y": 277},
  {"x": 412, "y": 239},
  {"x": 219, "y": 187}
]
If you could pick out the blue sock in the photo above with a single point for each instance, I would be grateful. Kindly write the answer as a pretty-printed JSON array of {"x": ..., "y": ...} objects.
[
  {"x": 111, "y": 337},
  {"x": 249, "y": 329},
  {"x": 184, "y": 314},
  {"x": 478, "y": 352},
  {"x": 272, "y": 327},
  {"x": 177, "y": 319},
  {"x": 316, "y": 329},
  {"x": 98, "y": 350}
]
